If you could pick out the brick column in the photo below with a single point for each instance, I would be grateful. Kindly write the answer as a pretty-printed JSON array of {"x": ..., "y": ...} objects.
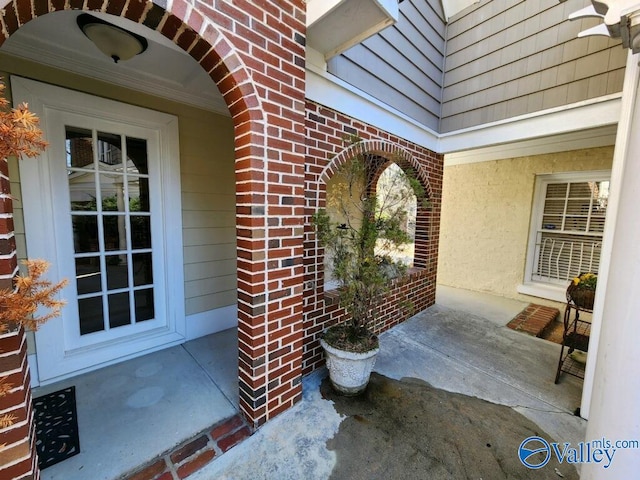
[
  {"x": 270, "y": 217},
  {"x": 257, "y": 61},
  {"x": 18, "y": 457}
]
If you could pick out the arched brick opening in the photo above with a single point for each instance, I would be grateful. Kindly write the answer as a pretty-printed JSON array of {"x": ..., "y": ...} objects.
[
  {"x": 269, "y": 281},
  {"x": 418, "y": 287},
  {"x": 389, "y": 153}
]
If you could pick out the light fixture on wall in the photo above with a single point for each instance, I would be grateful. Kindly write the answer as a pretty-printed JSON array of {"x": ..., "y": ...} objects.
[{"x": 115, "y": 42}]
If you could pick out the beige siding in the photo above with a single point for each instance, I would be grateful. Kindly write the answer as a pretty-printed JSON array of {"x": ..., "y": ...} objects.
[
  {"x": 509, "y": 58},
  {"x": 486, "y": 212},
  {"x": 207, "y": 182},
  {"x": 208, "y": 211}
]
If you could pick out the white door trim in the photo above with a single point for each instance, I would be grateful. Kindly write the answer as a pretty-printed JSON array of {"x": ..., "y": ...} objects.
[{"x": 58, "y": 359}]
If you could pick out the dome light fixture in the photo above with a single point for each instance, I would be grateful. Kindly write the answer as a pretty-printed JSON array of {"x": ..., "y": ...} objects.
[{"x": 115, "y": 42}]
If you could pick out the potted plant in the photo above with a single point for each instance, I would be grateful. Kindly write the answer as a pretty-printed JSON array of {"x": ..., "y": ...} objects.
[
  {"x": 582, "y": 290},
  {"x": 362, "y": 231}
]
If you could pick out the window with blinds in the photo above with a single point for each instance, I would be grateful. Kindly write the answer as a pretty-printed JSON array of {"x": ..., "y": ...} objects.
[{"x": 569, "y": 227}]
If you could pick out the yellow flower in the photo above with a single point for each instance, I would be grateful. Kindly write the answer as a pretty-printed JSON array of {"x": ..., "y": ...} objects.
[{"x": 586, "y": 280}]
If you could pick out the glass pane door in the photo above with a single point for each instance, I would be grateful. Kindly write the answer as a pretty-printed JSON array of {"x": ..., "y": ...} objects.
[{"x": 110, "y": 208}]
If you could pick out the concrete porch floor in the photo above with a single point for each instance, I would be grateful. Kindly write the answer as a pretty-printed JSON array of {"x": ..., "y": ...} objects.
[
  {"x": 461, "y": 344},
  {"x": 133, "y": 411}
]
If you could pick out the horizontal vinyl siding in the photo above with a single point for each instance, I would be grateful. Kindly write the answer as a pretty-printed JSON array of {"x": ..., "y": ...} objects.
[
  {"x": 208, "y": 212},
  {"x": 515, "y": 57},
  {"x": 402, "y": 65},
  {"x": 18, "y": 214}
]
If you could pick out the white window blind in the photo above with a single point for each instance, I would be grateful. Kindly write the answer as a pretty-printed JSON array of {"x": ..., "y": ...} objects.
[{"x": 569, "y": 227}]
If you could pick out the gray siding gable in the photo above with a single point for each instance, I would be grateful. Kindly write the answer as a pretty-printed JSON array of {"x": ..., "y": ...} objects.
[
  {"x": 402, "y": 66},
  {"x": 507, "y": 58},
  {"x": 494, "y": 60}
]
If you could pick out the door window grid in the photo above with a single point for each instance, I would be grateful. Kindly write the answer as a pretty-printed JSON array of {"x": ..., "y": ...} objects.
[{"x": 128, "y": 300}]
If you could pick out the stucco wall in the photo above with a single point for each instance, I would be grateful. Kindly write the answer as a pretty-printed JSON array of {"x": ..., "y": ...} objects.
[
  {"x": 486, "y": 212},
  {"x": 207, "y": 174}
]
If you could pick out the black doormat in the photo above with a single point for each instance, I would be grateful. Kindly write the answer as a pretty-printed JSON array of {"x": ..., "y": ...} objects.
[{"x": 56, "y": 427}]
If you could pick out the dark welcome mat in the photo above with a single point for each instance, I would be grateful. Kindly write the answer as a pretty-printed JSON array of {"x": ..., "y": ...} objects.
[{"x": 56, "y": 427}]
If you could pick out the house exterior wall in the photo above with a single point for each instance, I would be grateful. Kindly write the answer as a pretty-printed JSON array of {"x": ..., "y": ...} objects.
[
  {"x": 516, "y": 57},
  {"x": 208, "y": 211},
  {"x": 255, "y": 55},
  {"x": 402, "y": 65},
  {"x": 486, "y": 214},
  {"x": 326, "y": 150}
]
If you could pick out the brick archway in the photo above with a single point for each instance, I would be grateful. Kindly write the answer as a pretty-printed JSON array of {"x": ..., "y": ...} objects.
[
  {"x": 390, "y": 151},
  {"x": 327, "y": 130},
  {"x": 269, "y": 168}
]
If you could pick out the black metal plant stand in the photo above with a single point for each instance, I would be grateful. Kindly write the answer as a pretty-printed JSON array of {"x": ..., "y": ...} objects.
[{"x": 575, "y": 337}]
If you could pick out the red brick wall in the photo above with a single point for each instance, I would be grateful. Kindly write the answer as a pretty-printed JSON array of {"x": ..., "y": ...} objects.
[
  {"x": 326, "y": 150},
  {"x": 8, "y": 257},
  {"x": 254, "y": 51},
  {"x": 18, "y": 457}
]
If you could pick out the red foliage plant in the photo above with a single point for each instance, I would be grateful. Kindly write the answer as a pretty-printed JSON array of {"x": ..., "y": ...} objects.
[{"x": 20, "y": 136}]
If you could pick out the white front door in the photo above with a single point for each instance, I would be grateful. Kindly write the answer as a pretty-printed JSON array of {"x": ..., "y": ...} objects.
[{"x": 103, "y": 205}]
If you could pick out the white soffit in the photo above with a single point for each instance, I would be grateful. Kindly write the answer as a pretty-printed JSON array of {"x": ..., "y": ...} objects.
[
  {"x": 451, "y": 7},
  {"x": 592, "y": 138},
  {"x": 334, "y": 26},
  {"x": 163, "y": 70},
  {"x": 586, "y": 124}
]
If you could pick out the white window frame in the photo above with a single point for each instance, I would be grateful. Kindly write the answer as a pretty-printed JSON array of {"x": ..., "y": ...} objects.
[{"x": 539, "y": 288}]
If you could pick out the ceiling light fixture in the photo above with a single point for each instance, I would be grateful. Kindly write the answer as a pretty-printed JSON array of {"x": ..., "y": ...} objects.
[{"x": 115, "y": 42}]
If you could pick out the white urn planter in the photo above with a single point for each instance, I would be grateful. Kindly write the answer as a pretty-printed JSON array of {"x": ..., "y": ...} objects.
[{"x": 349, "y": 372}]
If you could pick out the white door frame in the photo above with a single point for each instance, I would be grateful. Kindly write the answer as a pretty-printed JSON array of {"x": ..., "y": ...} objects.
[{"x": 58, "y": 355}]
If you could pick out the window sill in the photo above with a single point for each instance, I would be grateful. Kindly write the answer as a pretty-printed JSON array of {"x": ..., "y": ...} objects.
[{"x": 556, "y": 293}]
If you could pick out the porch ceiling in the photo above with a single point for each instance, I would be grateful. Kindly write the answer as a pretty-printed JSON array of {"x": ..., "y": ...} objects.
[{"x": 163, "y": 69}]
